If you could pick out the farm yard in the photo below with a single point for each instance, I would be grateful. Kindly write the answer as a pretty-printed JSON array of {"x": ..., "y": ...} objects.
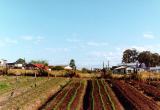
[
  {"x": 58, "y": 93},
  {"x": 79, "y": 55}
]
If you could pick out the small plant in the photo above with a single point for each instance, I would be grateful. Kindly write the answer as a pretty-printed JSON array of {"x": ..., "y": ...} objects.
[{"x": 3, "y": 86}]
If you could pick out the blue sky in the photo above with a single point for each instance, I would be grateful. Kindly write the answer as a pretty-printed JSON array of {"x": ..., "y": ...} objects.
[{"x": 89, "y": 31}]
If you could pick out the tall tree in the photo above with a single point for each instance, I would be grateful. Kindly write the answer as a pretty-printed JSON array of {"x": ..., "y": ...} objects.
[
  {"x": 72, "y": 63},
  {"x": 130, "y": 56},
  {"x": 45, "y": 62},
  {"x": 145, "y": 57},
  {"x": 21, "y": 61},
  {"x": 159, "y": 60},
  {"x": 154, "y": 59}
]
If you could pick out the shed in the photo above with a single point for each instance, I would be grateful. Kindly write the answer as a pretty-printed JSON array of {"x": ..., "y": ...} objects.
[
  {"x": 124, "y": 69},
  {"x": 68, "y": 68}
]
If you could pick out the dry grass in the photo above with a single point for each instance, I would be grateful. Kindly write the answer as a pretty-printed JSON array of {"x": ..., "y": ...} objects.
[
  {"x": 138, "y": 76},
  {"x": 21, "y": 72},
  {"x": 55, "y": 73},
  {"x": 58, "y": 73},
  {"x": 117, "y": 76},
  {"x": 88, "y": 75},
  {"x": 148, "y": 76}
]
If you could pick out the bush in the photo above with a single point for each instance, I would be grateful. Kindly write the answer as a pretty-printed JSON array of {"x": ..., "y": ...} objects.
[
  {"x": 85, "y": 70},
  {"x": 58, "y": 68}
]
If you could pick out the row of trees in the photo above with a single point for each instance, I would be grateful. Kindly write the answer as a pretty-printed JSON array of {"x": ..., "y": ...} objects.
[
  {"x": 148, "y": 58},
  {"x": 45, "y": 62},
  {"x": 22, "y": 61}
]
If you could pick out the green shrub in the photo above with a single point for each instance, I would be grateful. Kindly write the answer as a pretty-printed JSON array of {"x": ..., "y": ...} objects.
[{"x": 58, "y": 68}]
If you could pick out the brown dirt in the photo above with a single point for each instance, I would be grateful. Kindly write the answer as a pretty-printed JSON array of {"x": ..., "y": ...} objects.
[{"x": 134, "y": 97}]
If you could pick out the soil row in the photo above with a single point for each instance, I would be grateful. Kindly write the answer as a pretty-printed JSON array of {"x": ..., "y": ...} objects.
[
  {"x": 99, "y": 96},
  {"x": 131, "y": 98},
  {"x": 68, "y": 98},
  {"x": 147, "y": 89}
]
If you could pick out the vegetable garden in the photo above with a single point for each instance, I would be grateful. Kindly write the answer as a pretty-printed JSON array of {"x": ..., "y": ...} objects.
[{"x": 42, "y": 93}]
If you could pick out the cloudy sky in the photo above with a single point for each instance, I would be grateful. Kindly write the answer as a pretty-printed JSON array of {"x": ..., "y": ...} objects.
[{"x": 89, "y": 31}]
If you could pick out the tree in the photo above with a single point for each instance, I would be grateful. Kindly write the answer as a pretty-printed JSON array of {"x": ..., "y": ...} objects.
[
  {"x": 154, "y": 59},
  {"x": 130, "y": 56},
  {"x": 145, "y": 57},
  {"x": 45, "y": 62},
  {"x": 72, "y": 63},
  {"x": 57, "y": 68},
  {"x": 21, "y": 61},
  {"x": 159, "y": 60}
]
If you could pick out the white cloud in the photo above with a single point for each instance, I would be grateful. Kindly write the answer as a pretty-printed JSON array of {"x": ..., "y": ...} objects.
[
  {"x": 10, "y": 41},
  {"x": 7, "y": 41},
  {"x": 33, "y": 39},
  {"x": 113, "y": 56},
  {"x": 148, "y": 35},
  {"x": 152, "y": 48}
]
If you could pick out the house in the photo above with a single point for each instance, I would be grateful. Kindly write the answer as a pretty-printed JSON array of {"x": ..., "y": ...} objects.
[
  {"x": 3, "y": 63},
  {"x": 124, "y": 69},
  {"x": 11, "y": 65},
  {"x": 68, "y": 68},
  {"x": 36, "y": 66},
  {"x": 30, "y": 66},
  {"x": 155, "y": 69},
  {"x": 15, "y": 65},
  {"x": 135, "y": 65}
]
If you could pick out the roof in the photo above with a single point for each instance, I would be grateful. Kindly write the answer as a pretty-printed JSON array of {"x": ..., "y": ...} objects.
[
  {"x": 41, "y": 66},
  {"x": 155, "y": 68},
  {"x": 123, "y": 67},
  {"x": 129, "y": 64},
  {"x": 68, "y": 68}
]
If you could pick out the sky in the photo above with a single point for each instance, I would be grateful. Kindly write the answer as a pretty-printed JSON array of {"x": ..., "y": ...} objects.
[{"x": 88, "y": 31}]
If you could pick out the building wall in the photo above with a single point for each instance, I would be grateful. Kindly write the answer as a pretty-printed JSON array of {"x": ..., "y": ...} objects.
[{"x": 3, "y": 62}]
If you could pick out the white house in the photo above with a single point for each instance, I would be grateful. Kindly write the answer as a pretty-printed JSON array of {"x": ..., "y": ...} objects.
[
  {"x": 3, "y": 62},
  {"x": 155, "y": 69},
  {"x": 124, "y": 69},
  {"x": 68, "y": 68}
]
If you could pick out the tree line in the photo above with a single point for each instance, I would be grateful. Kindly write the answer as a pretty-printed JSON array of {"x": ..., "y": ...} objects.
[
  {"x": 23, "y": 61},
  {"x": 148, "y": 58},
  {"x": 45, "y": 62}
]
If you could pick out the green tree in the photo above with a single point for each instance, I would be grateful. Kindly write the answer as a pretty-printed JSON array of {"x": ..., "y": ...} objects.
[
  {"x": 57, "y": 68},
  {"x": 154, "y": 59},
  {"x": 45, "y": 62},
  {"x": 72, "y": 63},
  {"x": 21, "y": 61},
  {"x": 159, "y": 60},
  {"x": 130, "y": 56},
  {"x": 145, "y": 57}
]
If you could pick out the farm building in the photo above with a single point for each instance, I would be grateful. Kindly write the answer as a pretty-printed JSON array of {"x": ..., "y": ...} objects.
[
  {"x": 130, "y": 68},
  {"x": 68, "y": 68},
  {"x": 155, "y": 69},
  {"x": 36, "y": 66},
  {"x": 135, "y": 65},
  {"x": 15, "y": 65},
  {"x": 3, "y": 62},
  {"x": 124, "y": 69},
  {"x": 11, "y": 65}
]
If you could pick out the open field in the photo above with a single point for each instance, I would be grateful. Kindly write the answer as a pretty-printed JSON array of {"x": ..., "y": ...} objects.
[{"x": 55, "y": 93}]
